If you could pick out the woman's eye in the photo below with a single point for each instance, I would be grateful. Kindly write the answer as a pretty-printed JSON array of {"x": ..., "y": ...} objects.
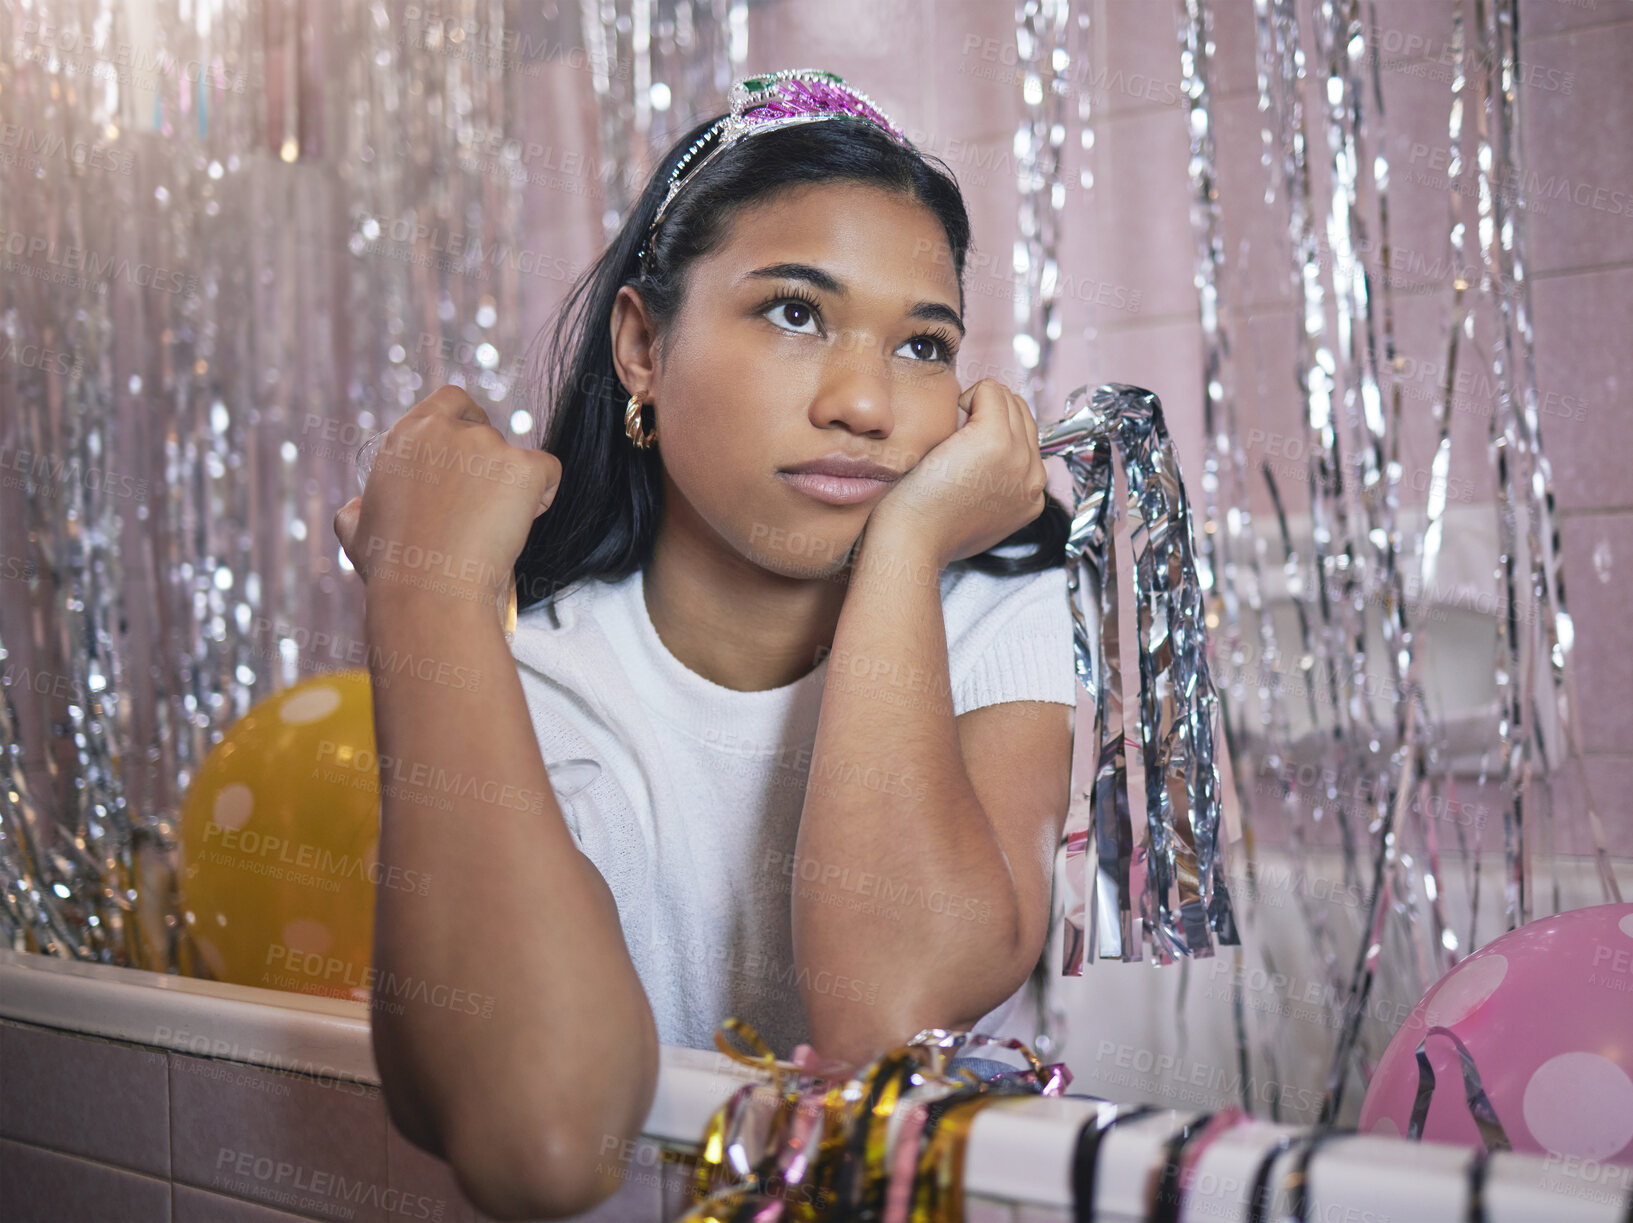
[
  {"x": 795, "y": 312},
  {"x": 927, "y": 348}
]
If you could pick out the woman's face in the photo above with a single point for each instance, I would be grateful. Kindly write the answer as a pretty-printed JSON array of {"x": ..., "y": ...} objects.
[{"x": 826, "y": 324}]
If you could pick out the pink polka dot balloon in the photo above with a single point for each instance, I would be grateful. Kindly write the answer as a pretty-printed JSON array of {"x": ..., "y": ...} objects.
[{"x": 1546, "y": 1013}]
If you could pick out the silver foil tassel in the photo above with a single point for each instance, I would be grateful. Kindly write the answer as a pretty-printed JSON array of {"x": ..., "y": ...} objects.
[{"x": 1173, "y": 880}]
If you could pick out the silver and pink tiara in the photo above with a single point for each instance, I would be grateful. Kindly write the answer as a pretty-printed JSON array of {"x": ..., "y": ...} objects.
[{"x": 763, "y": 103}]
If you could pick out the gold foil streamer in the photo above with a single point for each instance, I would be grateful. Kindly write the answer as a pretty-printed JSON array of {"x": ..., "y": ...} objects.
[
  {"x": 938, "y": 1185},
  {"x": 819, "y": 1144},
  {"x": 1173, "y": 883}
]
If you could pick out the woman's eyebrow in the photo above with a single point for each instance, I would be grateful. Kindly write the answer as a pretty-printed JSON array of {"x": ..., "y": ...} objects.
[{"x": 828, "y": 283}]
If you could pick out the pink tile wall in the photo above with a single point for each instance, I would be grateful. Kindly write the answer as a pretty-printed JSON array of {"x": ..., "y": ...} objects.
[
  {"x": 1582, "y": 269},
  {"x": 103, "y": 1129},
  {"x": 88, "y": 1097},
  {"x": 42, "y": 1186}
]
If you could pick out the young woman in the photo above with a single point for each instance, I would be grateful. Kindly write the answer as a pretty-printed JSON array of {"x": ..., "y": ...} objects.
[{"x": 784, "y": 730}]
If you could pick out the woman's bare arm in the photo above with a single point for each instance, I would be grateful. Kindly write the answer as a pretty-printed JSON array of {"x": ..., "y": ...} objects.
[
  {"x": 536, "y": 1059},
  {"x": 510, "y": 1029}
]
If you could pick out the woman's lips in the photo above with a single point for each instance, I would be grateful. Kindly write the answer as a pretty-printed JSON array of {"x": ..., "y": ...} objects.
[{"x": 835, "y": 490}]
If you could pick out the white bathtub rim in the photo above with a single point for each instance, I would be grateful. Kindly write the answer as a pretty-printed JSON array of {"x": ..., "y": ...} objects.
[
  {"x": 1020, "y": 1149},
  {"x": 241, "y": 1023}
]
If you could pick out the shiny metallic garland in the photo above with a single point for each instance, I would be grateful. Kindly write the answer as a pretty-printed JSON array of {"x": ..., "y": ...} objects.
[
  {"x": 117, "y": 718},
  {"x": 1461, "y": 322},
  {"x": 1513, "y": 360},
  {"x": 1283, "y": 70},
  {"x": 1043, "y": 37},
  {"x": 1354, "y": 501},
  {"x": 1231, "y": 561},
  {"x": 1160, "y": 884},
  {"x": 1353, "y": 580},
  {"x": 1051, "y": 40},
  {"x": 331, "y": 220},
  {"x": 659, "y": 67},
  {"x": 1369, "y": 495}
]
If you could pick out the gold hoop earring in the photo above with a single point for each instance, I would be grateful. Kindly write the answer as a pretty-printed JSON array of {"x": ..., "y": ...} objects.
[{"x": 632, "y": 425}]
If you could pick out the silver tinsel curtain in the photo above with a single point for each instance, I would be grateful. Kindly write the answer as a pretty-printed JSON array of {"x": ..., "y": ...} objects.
[
  {"x": 1336, "y": 720},
  {"x": 240, "y": 236}
]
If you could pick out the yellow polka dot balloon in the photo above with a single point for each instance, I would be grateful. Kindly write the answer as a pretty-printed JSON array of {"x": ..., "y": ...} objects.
[{"x": 280, "y": 832}]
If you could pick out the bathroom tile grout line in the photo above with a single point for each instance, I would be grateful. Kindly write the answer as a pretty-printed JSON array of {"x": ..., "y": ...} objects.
[{"x": 90, "y": 1159}]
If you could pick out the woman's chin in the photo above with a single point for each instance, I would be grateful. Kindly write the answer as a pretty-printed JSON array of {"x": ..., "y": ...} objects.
[{"x": 804, "y": 557}]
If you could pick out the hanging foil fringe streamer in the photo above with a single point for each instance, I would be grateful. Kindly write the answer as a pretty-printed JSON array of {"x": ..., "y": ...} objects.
[
  {"x": 1231, "y": 566},
  {"x": 1387, "y": 762},
  {"x": 1352, "y": 591},
  {"x": 239, "y": 241},
  {"x": 658, "y": 68},
  {"x": 1168, "y": 876},
  {"x": 1049, "y": 46},
  {"x": 1051, "y": 40},
  {"x": 1545, "y": 729}
]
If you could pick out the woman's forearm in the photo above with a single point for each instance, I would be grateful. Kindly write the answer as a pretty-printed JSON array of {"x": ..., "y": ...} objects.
[
  {"x": 891, "y": 818},
  {"x": 510, "y": 1028}
]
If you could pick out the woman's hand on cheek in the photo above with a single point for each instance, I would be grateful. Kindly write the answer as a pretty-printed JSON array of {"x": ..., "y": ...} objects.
[{"x": 976, "y": 488}]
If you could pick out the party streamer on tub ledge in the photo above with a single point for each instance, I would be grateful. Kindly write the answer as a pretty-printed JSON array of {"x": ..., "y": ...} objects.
[{"x": 822, "y": 1141}]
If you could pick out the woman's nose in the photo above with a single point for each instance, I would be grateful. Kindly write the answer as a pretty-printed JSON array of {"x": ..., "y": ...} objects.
[{"x": 855, "y": 390}]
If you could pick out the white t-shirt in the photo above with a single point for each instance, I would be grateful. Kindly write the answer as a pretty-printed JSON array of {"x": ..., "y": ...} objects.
[{"x": 687, "y": 795}]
